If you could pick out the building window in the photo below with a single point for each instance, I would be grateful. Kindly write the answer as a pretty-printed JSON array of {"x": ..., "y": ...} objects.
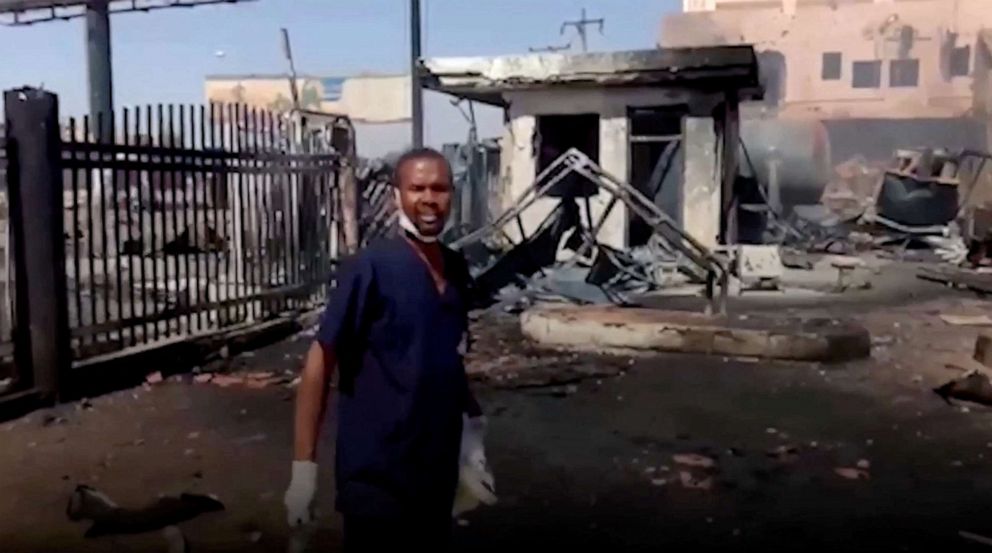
[
  {"x": 961, "y": 61},
  {"x": 831, "y": 68},
  {"x": 866, "y": 74},
  {"x": 904, "y": 73}
]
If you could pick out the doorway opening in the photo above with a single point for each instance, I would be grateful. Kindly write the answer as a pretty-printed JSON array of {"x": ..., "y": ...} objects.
[
  {"x": 655, "y": 163},
  {"x": 556, "y": 134}
]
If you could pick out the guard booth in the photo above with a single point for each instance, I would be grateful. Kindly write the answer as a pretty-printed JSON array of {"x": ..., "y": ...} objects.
[{"x": 665, "y": 120}]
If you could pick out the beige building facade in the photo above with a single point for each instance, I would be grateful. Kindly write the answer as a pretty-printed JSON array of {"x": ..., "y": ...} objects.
[
  {"x": 837, "y": 59},
  {"x": 363, "y": 98}
]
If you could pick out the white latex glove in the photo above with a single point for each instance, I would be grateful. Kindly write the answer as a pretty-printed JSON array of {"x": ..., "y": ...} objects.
[
  {"x": 475, "y": 481},
  {"x": 299, "y": 496}
]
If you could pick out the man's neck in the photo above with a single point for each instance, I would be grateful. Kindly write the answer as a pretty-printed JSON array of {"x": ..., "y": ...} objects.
[
  {"x": 420, "y": 244},
  {"x": 430, "y": 254}
]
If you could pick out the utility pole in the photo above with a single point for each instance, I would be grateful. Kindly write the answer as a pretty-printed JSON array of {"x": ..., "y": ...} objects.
[
  {"x": 100, "y": 68},
  {"x": 416, "y": 92},
  {"x": 580, "y": 27}
]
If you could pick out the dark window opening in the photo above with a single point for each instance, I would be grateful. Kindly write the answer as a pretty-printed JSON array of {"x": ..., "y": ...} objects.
[
  {"x": 831, "y": 68},
  {"x": 655, "y": 163},
  {"x": 866, "y": 74},
  {"x": 904, "y": 73},
  {"x": 772, "y": 72},
  {"x": 556, "y": 134},
  {"x": 961, "y": 61}
]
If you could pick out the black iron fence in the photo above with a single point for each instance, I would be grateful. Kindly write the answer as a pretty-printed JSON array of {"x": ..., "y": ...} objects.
[
  {"x": 179, "y": 221},
  {"x": 190, "y": 219}
]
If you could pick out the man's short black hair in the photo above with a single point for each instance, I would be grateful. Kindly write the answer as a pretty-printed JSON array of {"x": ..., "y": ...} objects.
[{"x": 415, "y": 154}]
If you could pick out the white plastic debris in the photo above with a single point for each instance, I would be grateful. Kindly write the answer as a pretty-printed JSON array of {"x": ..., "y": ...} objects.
[{"x": 476, "y": 484}]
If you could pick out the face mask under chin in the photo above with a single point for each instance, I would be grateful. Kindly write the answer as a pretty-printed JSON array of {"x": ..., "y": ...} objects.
[{"x": 407, "y": 225}]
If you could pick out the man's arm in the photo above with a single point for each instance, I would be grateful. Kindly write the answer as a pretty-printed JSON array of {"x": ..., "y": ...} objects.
[
  {"x": 311, "y": 400},
  {"x": 470, "y": 290}
]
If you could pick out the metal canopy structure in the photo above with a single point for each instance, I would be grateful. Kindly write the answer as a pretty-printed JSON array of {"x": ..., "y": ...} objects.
[
  {"x": 27, "y": 12},
  {"x": 98, "y": 56},
  {"x": 723, "y": 68}
]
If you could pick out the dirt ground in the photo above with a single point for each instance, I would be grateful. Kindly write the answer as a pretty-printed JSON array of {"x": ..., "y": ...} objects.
[{"x": 589, "y": 452}]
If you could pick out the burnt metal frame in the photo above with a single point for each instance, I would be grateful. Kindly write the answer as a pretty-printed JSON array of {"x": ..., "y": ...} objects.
[{"x": 708, "y": 265}]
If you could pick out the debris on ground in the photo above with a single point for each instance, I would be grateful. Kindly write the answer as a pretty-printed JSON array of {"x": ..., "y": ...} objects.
[
  {"x": 851, "y": 473},
  {"x": 983, "y": 349},
  {"x": 920, "y": 188},
  {"x": 966, "y": 320},
  {"x": 88, "y": 504},
  {"x": 784, "y": 453},
  {"x": 260, "y": 437},
  {"x": 154, "y": 378},
  {"x": 689, "y": 481},
  {"x": 51, "y": 420},
  {"x": 974, "y": 387},
  {"x": 918, "y": 206},
  {"x": 254, "y": 380},
  {"x": 693, "y": 460},
  {"x": 507, "y": 360}
]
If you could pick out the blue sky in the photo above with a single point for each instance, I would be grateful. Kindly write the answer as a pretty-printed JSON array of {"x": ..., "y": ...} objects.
[{"x": 163, "y": 56}]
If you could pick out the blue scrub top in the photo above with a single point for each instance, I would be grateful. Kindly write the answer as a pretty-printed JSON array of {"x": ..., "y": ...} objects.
[{"x": 402, "y": 386}]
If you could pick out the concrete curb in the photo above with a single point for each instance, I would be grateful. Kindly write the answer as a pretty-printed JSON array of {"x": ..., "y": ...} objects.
[{"x": 610, "y": 329}]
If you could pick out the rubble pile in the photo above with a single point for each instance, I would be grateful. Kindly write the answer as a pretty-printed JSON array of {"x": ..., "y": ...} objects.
[
  {"x": 925, "y": 200},
  {"x": 930, "y": 206}
]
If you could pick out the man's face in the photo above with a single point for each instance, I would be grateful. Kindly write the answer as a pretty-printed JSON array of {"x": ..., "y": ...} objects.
[{"x": 425, "y": 194}]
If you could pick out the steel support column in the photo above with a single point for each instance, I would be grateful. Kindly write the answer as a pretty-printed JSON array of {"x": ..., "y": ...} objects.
[
  {"x": 100, "y": 67},
  {"x": 417, "y": 91}
]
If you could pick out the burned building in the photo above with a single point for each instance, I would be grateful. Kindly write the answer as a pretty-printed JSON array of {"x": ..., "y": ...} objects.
[
  {"x": 665, "y": 121},
  {"x": 851, "y": 78}
]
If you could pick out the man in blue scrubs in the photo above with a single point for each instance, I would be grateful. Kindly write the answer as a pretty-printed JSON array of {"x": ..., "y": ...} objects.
[{"x": 394, "y": 329}]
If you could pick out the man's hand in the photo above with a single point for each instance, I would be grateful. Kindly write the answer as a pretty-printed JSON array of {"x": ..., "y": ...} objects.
[
  {"x": 311, "y": 403},
  {"x": 299, "y": 496}
]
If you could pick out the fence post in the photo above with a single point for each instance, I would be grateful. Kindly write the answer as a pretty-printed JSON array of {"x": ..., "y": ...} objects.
[
  {"x": 343, "y": 141},
  {"x": 42, "y": 340}
]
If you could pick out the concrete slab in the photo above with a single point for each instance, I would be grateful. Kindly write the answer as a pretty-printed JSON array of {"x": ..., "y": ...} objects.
[{"x": 613, "y": 329}]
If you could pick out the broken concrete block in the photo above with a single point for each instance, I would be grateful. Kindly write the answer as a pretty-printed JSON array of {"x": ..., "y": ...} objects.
[
  {"x": 983, "y": 349},
  {"x": 606, "y": 329}
]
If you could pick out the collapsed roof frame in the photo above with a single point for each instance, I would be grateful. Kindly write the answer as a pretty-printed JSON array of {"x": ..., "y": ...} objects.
[{"x": 707, "y": 266}]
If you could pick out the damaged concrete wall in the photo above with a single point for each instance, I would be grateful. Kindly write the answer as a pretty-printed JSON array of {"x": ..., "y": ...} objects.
[
  {"x": 927, "y": 30},
  {"x": 520, "y": 157},
  {"x": 702, "y": 180}
]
